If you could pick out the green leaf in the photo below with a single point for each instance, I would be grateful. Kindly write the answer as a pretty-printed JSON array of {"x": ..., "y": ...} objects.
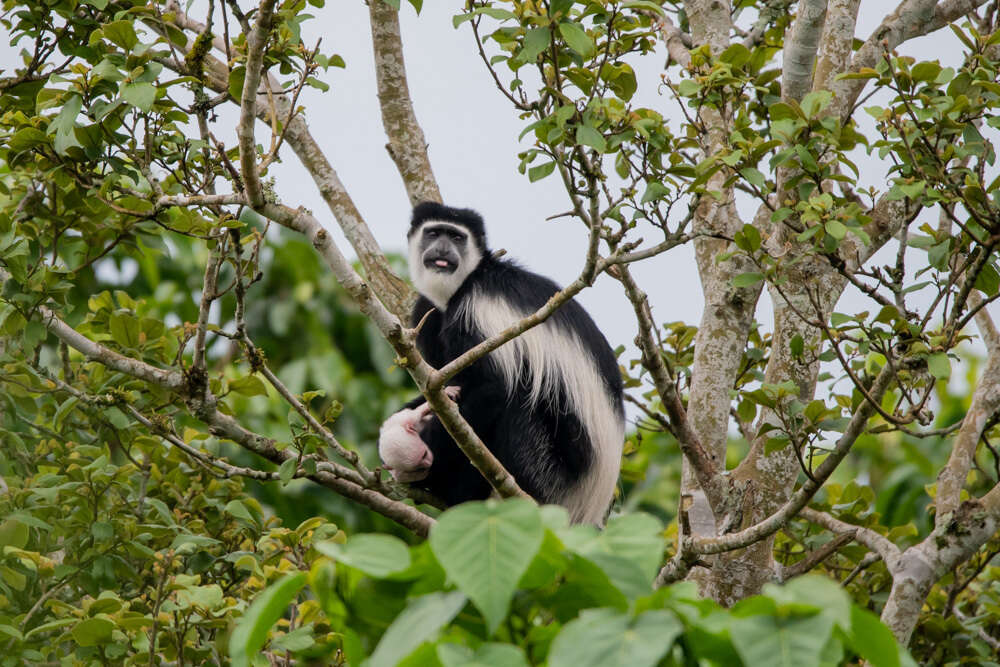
[
  {"x": 872, "y": 640},
  {"x": 237, "y": 509},
  {"x": 251, "y": 629},
  {"x": 748, "y": 239},
  {"x": 939, "y": 365},
  {"x": 236, "y": 78},
  {"x": 654, "y": 190},
  {"x": 92, "y": 631},
  {"x": 636, "y": 537},
  {"x": 588, "y": 136},
  {"x": 140, "y": 95},
  {"x": 815, "y": 102},
  {"x": 286, "y": 471},
  {"x": 753, "y": 177},
  {"x": 988, "y": 280},
  {"x": 250, "y": 385},
  {"x": 421, "y": 619},
  {"x": 836, "y": 229},
  {"x": 25, "y": 138},
  {"x": 539, "y": 172},
  {"x": 781, "y": 642},
  {"x": 65, "y": 124},
  {"x": 608, "y": 637},
  {"x": 121, "y": 33},
  {"x": 536, "y": 40},
  {"x": 688, "y": 88},
  {"x": 487, "y": 655},
  {"x": 485, "y": 548},
  {"x": 648, "y": 5},
  {"x": 747, "y": 279},
  {"x": 375, "y": 555},
  {"x": 796, "y": 345},
  {"x": 124, "y": 328},
  {"x": 577, "y": 38}
]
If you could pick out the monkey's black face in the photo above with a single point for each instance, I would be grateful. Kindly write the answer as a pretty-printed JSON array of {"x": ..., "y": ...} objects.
[
  {"x": 442, "y": 247},
  {"x": 442, "y": 255}
]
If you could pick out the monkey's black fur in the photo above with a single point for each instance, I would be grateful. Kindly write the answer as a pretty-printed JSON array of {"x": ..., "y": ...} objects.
[{"x": 543, "y": 444}]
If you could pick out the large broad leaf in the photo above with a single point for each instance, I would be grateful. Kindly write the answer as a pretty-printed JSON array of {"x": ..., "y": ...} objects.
[
  {"x": 872, "y": 640},
  {"x": 781, "y": 642},
  {"x": 421, "y": 619},
  {"x": 251, "y": 630},
  {"x": 485, "y": 548},
  {"x": 813, "y": 593},
  {"x": 577, "y": 38},
  {"x": 487, "y": 655},
  {"x": 608, "y": 637},
  {"x": 636, "y": 537},
  {"x": 375, "y": 555}
]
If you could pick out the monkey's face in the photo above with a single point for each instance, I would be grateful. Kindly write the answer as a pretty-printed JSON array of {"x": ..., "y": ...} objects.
[{"x": 442, "y": 255}]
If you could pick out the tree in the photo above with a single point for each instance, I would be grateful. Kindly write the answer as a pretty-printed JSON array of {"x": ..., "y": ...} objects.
[{"x": 113, "y": 148}]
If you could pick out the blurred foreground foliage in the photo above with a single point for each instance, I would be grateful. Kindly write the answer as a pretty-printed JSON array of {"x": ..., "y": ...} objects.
[{"x": 119, "y": 549}]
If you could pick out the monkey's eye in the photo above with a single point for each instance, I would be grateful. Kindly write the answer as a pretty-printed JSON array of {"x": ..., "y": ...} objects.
[
  {"x": 457, "y": 236},
  {"x": 431, "y": 233}
]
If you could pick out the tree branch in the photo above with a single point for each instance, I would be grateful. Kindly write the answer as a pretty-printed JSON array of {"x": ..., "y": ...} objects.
[
  {"x": 866, "y": 536},
  {"x": 837, "y": 42},
  {"x": 817, "y": 556},
  {"x": 705, "y": 467},
  {"x": 800, "y": 49},
  {"x": 985, "y": 402},
  {"x": 407, "y": 146},
  {"x": 256, "y": 41}
]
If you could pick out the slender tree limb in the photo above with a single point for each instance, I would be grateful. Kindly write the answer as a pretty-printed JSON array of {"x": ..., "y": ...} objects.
[
  {"x": 800, "y": 49},
  {"x": 141, "y": 370},
  {"x": 991, "y": 641},
  {"x": 879, "y": 544},
  {"x": 951, "y": 480},
  {"x": 816, "y": 556},
  {"x": 705, "y": 467},
  {"x": 407, "y": 146},
  {"x": 676, "y": 41},
  {"x": 869, "y": 559},
  {"x": 984, "y": 322},
  {"x": 256, "y": 41},
  {"x": 208, "y": 295}
]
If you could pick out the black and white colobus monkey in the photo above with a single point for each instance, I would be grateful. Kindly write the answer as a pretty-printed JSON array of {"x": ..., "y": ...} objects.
[{"x": 548, "y": 404}]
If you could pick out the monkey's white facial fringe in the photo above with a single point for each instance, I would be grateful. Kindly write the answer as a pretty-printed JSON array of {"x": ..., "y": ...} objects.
[
  {"x": 439, "y": 287},
  {"x": 559, "y": 362}
]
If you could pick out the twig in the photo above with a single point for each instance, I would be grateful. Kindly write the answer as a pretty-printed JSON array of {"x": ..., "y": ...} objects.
[{"x": 816, "y": 556}]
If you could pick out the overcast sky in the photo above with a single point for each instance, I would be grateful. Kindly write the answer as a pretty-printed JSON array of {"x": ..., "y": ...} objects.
[{"x": 472, "y": 135}]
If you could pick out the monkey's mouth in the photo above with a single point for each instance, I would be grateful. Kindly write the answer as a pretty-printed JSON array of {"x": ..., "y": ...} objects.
[{"x": 440, "y": 264}]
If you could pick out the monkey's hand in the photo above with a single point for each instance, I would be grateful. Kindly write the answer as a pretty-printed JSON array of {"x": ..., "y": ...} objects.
[{"x": 400, "y": 447}]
